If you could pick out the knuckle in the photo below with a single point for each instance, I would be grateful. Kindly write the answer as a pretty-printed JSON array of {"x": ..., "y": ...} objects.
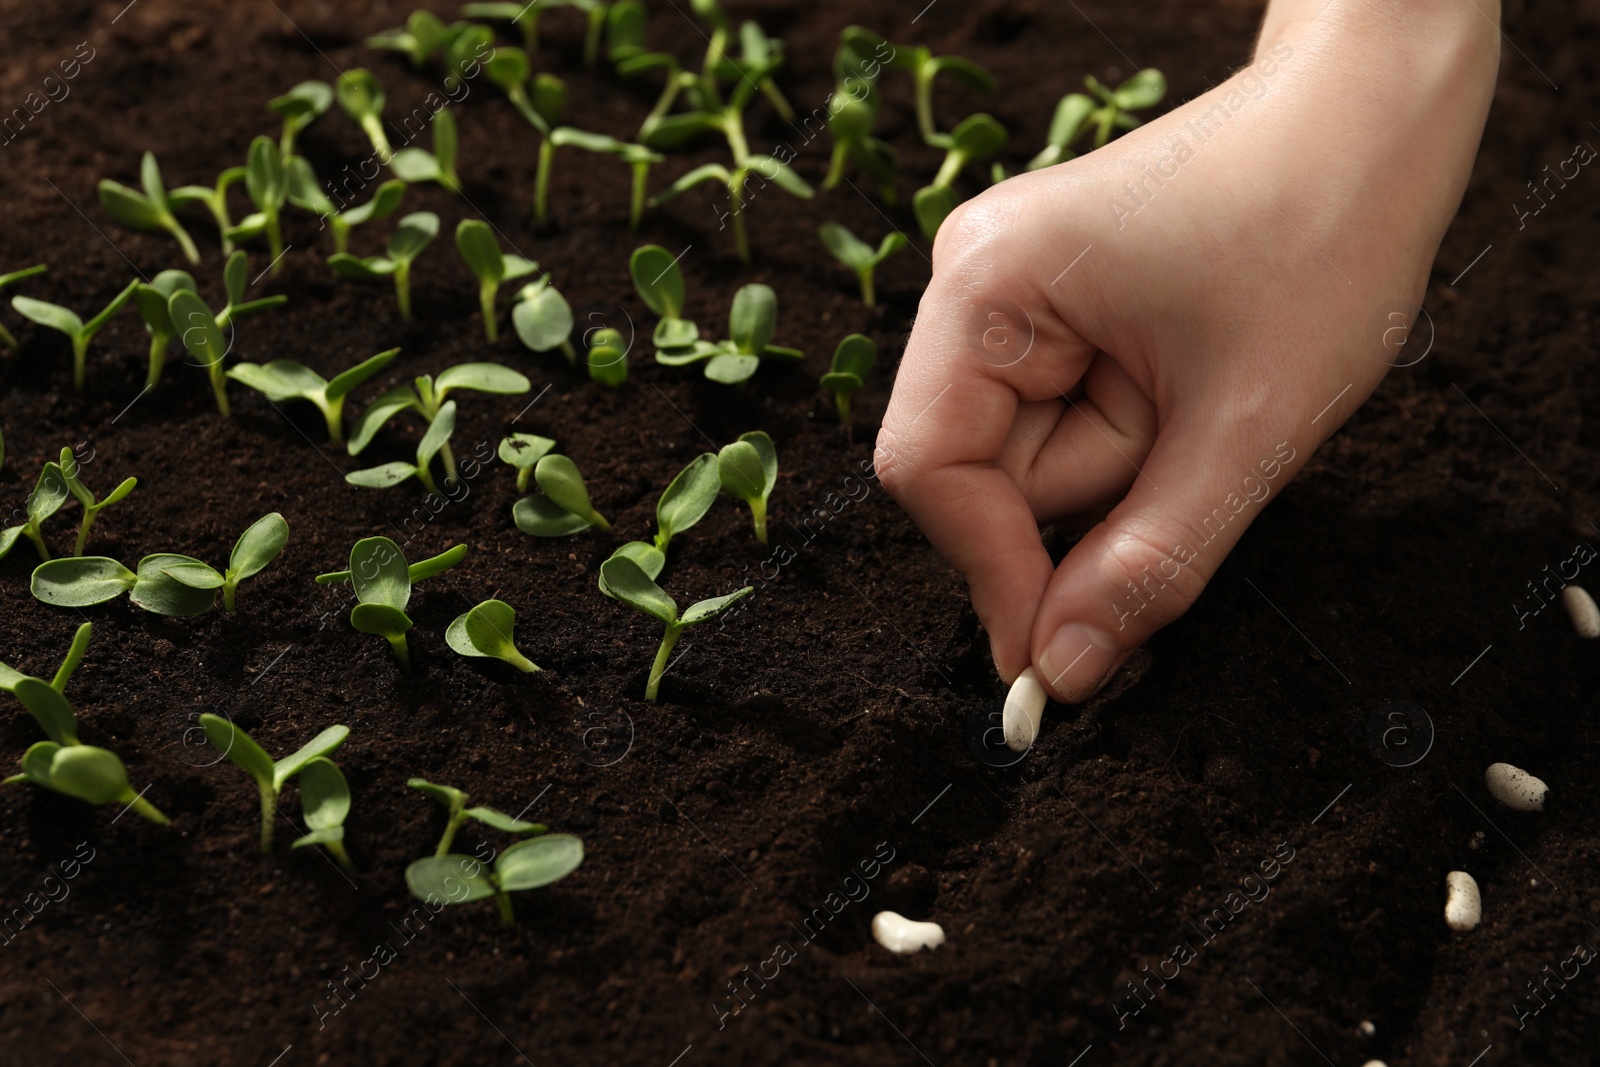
[
  {"x": 889, "y": 465},
  {"x": 972, "y": 231}
]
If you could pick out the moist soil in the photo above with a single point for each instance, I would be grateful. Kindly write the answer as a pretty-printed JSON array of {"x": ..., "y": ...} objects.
[{"x": 808, "y": 763}]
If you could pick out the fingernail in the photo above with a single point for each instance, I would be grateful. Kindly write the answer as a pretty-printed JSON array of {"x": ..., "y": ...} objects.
[{"x": 1078, "y": 660}]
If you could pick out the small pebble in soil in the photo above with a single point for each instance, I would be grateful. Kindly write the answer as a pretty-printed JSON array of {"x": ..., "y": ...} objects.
[
  {"x": 1515, "y": 787},
  {"x": 1582, "y": 611},
  {"x": 1463, "y": 907},
  {"x": 1024, "y": 708},
  {"x": 1366, "y": 1028},
  {"x": 904, "y": 936}
]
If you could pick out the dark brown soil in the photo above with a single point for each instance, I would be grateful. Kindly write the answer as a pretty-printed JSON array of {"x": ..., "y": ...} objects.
[{"x": 823, "y": 730}]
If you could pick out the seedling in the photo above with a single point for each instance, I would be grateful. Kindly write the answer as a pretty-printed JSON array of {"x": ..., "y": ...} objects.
[
  {"x": 478, "y": 246},
  {"x": 149, "y": 210},
  {"x": 151, "y": 300},
  {"x": 361, "y": 97},
  {"x": 751, "y": 322},
  {"x": 93, "y": 775},
  {"x": 859, "y": 256},
  {"x": 428, "y": 398},
  {"x": 414, "y": 233},
  {"x": 49, "y": 493},
  {"x": 6, "y": 339},
  {"x": 283, "y": 380},
  {"x": 978, "y": 137},
  {"x": 419, "y": 165},
  {"x": 736, "y": 180},
  {"x": 80, "y": 333},
  {"x": 525, "y": 16},
  {"x": 748, "y": 470},
  {"x": 542, "y": 102},
  {"x": 306, "y": 192},
  {"x": 9, "y": 677},
  {"x": 215, "y": 200},
  {"x": 466, "y": 46},
  {"x": 639, "y": 159},
  {"x": 268, "y": 185},
  {"x": 608, "y": 358},
  {"x": 270, "y": 775},
  {"x": 391, "y": 474},
  {"x": 543, "y": 319},
  {"x": 659, "y": 282},
  {"x": 91, "y": 506},
  {"x": 486, "y": 631},
  {"x": 524, "y": 451},
  {"x": 852, "y": 362},
  {"x": 325, "y": 803},
  {"x": 925, "y": 68},
  {"x": 299, "y": 108},
  {"x": 423, "y": 35},
  {"x": 383, "y": 582},
  {"x": 685, "y": 502},
  {"x": 625, "y": 581},
  {"x": 852, "y": 113},
  {"x": 455, "y": 803},
  {"x": 1070, "y": 120},
  {"x": 625, "y": 24},
  {"x": 165, "y": 583},
  {"x": 564, "y": 509},
  {"x": 201, "y": 331}
]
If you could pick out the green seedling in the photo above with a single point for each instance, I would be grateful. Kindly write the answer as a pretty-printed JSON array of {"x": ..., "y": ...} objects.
[
  {"x": 486, "y": 631},
  {"x": 525, "y": 16},
  {"x": 638, "y": 158},
  {"x": 478, "y": 246},
  {"x": 270, "y": 775},
  {"x": 625, "y": 581},
  {"x": 1145, "y": 89},
  {"x": 736, "y": 181},
  {"x": 306, "y": 193},
  {"x": 543, "y": 319},
  {"x": 268, "y": 184},
  {"x": 564, "y": 508},
  {"x": 361, "y": 97},
  {"x": 524, "y": 451},
  {"x": 383, "y": 582},
  {"x": 299, "y": 108},
  {"x": 49, "y": 493},
  {"x": 659, "y": 283},
  {"x": 422, "y": 37},
  {"x": 215, "y": 200},
  {"x": 925, "y": 68},
  {"x": 62, "y": 731},
  {"x": 625, "y": 26},
  {"x": 748, "y": 470},
  {"x": 202, "y": 332},
  {"x": 455, "y": 803},
  {"x": 93, "y": 775},
  {"x": 1069, "y": 122},
  {"x": 541, "y": 102},
  {"x": 428, "y": 398},
  {"x": 608, "y": 357},
  {"x": 852, "y": 362},
  {"x": 91, "y": 506},
  {"x": 6, "y": 339},
  {"x": 852, "y": 113},
  {"x": 80, "y": 333},
  {"x": 325, "y": 803},
  {"x": 165, "y": 583},
  {"x": 283, "y": 379},
  {"x": 419, "y": 165},
  {"x": 151, "y": 300},
  {"x": 857, "y": 255},
  {"x": 466, "y": 46},
  {"x": 413, "y": 233},
  {"x": 149, "y": 210},
  {"x": 978, "y": 137},
  {"x": 685, "y": 502},
  {"x": 436, "y": 438},
  {"x": 751, "y": 322}
]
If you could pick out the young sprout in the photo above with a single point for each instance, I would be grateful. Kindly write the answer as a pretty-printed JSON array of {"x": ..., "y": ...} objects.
[
  {"x": 428, "y": 397},
  {"x": 215, "y": 200},
  {"x": 437, "y": 437},
  {"x": 149, "y": 210},
  {"x": 201, "y": 332},
  {"x": 325, "y": 803},
  {"x": 151, "y": 301},
  {"x": 736, "y": 180},
  {"x": 541, "y": 103},
  {"x": 284, "y": 379},
  {"x": 382, "y": 582},
  {"x": 750, "y": 326},
  {"x": 859, "y": 256},
  {"x": 62, "y": 731},
  {"x": 486, "y": 631},
  {"x": 608, "y": 357},
  {"x": 636, "y": 156},
  {"x": 299, "y": 108},
  {"x": 6, "y": 339},
  {"x": 659, "y": 282},
  {"x": 91, "y": 506},
  {"x": 268, "y": 185},
  {"x": 1144, "y": 89},
  {"x": 543, "y": 319},
  {"x": 420, "y": 165},
  {"x": 624, "y": 581},
  {"x": 525, "y": 16},
  {"x": 852, "y": 362},
  {"x": 455, "y": 803},
  {"x": 564, "y": 509},
  {"x": 49, "y": 493},
  {"x": 466, "y": 46},
  {"x": 748, "y": 470},
  {"x": 625, "y": 24},
  {"x": 306, "y": 193},
  {"x": 978, "y": 137},
  {"x": 685, "y": 502},
  {"x": 478, "y": 246},
  {"x": 93, "y": 775},
  {"x": 424, "y": 34},
  {"x": 80, "y": 333},
  {"x": 852, "y": 113},
  {"x": 524, "y": 451},
  {"x": 925, "y": 67},
  {"x": 1071, "y": 116},
  {"x": 270, "y": 775},
  {"x": 413, "y": 233},
  {"x": 361, "y": 97}
]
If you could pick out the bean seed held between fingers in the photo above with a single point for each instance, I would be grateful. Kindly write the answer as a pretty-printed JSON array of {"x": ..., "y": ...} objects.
[{"x": 1023, "y": 711}]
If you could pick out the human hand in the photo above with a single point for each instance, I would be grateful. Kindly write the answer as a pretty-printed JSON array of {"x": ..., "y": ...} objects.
[{"x": 1169, "y": 326}]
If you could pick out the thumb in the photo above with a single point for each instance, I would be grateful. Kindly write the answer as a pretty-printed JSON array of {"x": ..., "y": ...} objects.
[{"x": 1140, "y": 569}]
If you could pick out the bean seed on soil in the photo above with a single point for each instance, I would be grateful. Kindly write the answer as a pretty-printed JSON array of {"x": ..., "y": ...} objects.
[
  {"x": 1515, "y": 787},
  {"x": 1582, "y": 611},
  {"x": 1463, "y": 907},
  {"x": 904, "y": 936}
]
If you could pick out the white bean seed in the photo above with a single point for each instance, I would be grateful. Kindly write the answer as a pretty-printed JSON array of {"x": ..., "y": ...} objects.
[
  {"x": 1515, "y": 787},
  {"x": 1463, "y": 907},
  {"x": 1582, "y": 611},
  {"x": 904, "y": 936},
  {"x": 1024, "y": 708}
]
